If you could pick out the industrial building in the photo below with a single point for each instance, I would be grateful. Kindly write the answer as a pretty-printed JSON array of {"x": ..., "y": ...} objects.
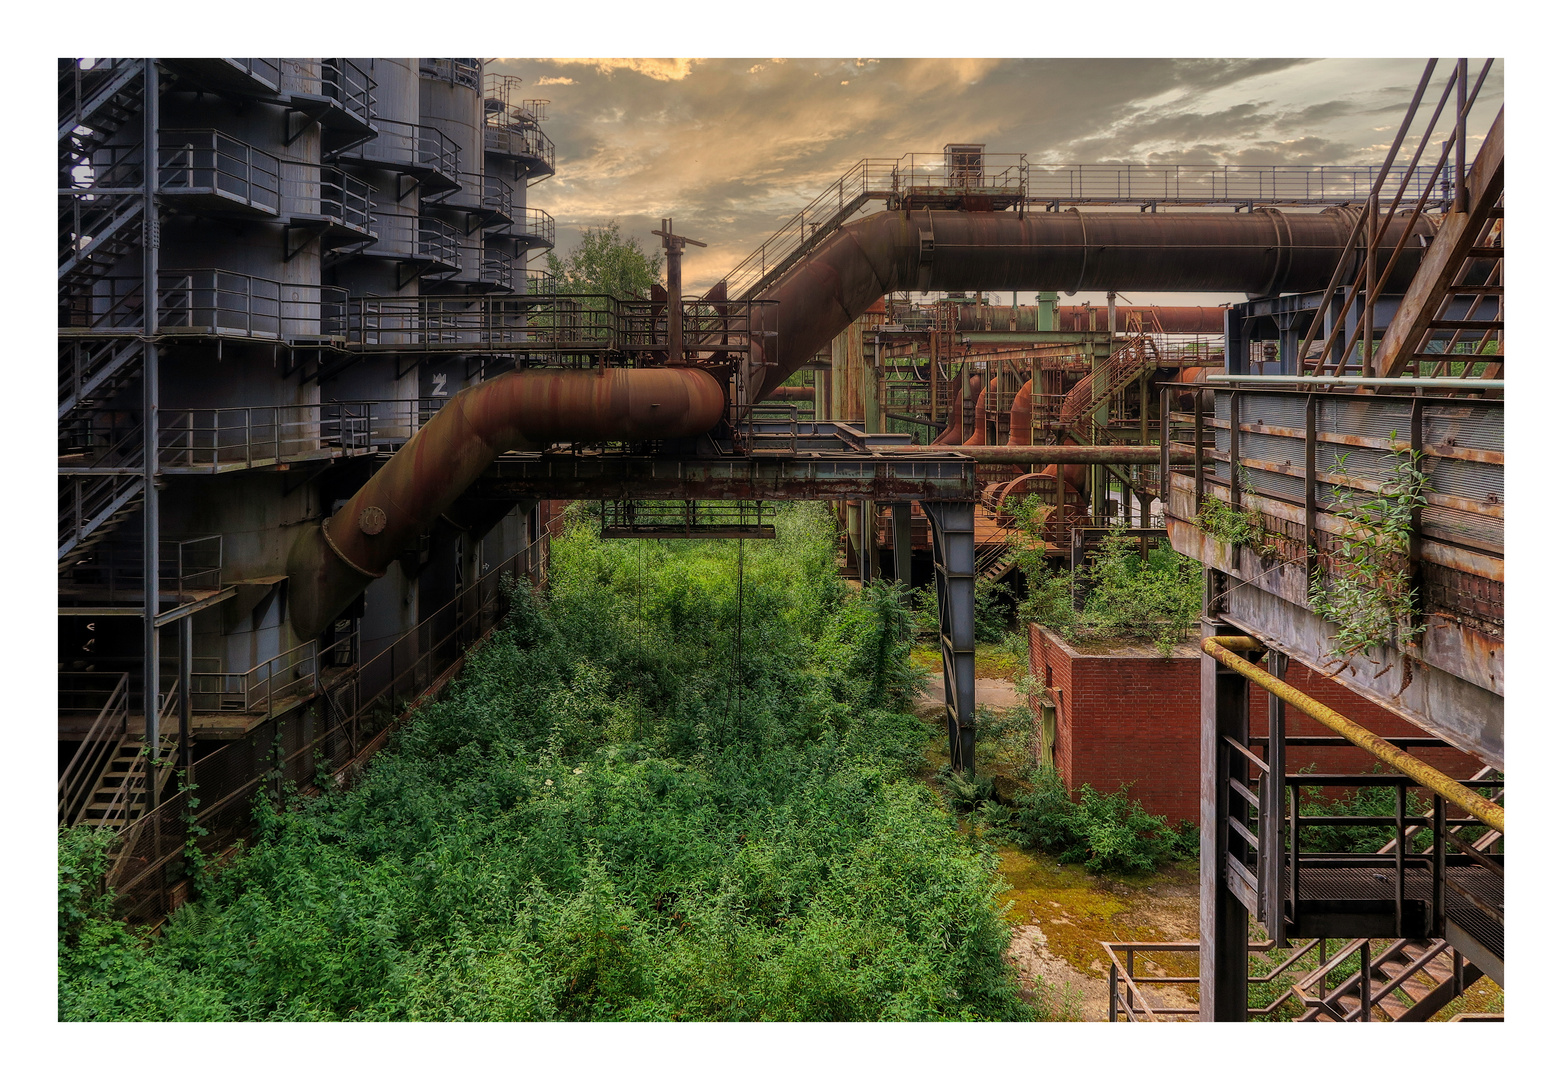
[{"x": 311, "y": 400}]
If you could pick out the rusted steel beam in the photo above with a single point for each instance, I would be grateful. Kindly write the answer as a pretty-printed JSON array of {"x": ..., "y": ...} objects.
[
  {"x": 331, "y": 564},
  {"x": 1064, "y": 455},
  {"x": 942, "y": 477},
  {"x": 1480, "y": 807}
]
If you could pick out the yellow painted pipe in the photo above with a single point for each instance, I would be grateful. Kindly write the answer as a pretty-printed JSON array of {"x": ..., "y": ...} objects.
[{"x": 1478, "y": 806}]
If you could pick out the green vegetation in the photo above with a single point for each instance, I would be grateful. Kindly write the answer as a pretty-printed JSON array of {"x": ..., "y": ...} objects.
[
  {"x": 1155, "y": 599},
  {"x": 604, "y": 262},
  {"x": 1105, "y": 832},
  {"x": 615, "y": 813},
  {"x": 1364, "y": 585},
  {"x": 1229, "y": 525}
]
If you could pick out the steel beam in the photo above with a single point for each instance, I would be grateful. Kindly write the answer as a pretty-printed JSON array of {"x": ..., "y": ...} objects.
[
  {"x": 954, "y": 565},
  {"x": 1222, "y": 915},
  {"x": 866, "y": 475},
  {"x": 900, "y": 523}
]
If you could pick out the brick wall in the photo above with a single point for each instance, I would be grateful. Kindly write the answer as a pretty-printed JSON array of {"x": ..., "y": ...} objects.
[{"x": 1131, "y": 716}]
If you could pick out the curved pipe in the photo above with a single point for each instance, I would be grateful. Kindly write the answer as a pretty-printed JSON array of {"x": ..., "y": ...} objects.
[
  {"x": 1260, "y": 253},
  {"x": 332, "y": 564}
]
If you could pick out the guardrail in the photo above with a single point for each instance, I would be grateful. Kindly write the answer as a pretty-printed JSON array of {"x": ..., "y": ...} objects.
[
  {"x": 890, "y": 179},
  {"x": 1218, "y": 184},
  {"x": 460, "y": 70},
  {"x": 254, "y": 435},
  {"x": 531, "y": 228},
  {"x": 291, "y": 674},
  {"x": 223, "y": 303},
  {"x": 79, "y": 691},
  {"x": 205, "y": 161},
  {"x": 402, "y": 145}
]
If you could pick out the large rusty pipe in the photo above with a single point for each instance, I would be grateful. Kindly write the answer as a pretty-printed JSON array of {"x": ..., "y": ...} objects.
[
  {"x": 791, "y": 393},
  {"x": 1477, "y": 805},
  {"x": 1261, "y": 253},
  {"x": 332, "y": 564}
]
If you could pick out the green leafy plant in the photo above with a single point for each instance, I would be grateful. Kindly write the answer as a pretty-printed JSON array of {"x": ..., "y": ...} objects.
[
  {"x": 1363, "y": 586},
  {"x": 631, "y": 805},
  {"x": 1152, "y": 599},
  {"x": 1105, "y": 832},
  {"x": 1230, "y": 525}
]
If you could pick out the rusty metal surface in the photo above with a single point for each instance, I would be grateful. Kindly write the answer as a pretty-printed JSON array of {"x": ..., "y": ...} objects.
[
  {"x": 937, "y": 250},
  {"x": 330, "y": 565}
]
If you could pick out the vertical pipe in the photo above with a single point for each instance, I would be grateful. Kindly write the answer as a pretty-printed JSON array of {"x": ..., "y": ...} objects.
[{"x": 150, "y": 535}]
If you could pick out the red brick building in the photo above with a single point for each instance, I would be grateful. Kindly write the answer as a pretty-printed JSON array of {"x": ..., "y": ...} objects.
[{"x": 1125, "y": 714}]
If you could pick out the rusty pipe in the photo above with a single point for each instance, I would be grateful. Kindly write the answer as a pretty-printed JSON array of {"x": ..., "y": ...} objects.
[
  {"x": 1477, "y": 805},
  {"x": 1261, "y": 253},
  {"x": 791, "y": 393},
  {"x": 331, "y": 564}
]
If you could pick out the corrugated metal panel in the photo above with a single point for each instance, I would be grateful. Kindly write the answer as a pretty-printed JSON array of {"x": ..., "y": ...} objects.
[
  {"x": 1477, "y": 427},
  {"x": 1467, "y": 479}
]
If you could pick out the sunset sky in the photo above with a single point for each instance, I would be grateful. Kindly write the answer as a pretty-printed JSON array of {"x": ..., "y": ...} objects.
[{"x": 730, "y": 148}]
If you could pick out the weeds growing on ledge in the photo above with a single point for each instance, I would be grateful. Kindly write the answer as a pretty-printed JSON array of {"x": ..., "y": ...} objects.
[{"x": 617, "y": 812}]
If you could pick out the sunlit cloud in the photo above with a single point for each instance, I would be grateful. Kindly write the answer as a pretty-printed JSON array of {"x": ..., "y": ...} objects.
[
  {"x": 555, "y": 80},
  {"x": 660, "y": 70}
]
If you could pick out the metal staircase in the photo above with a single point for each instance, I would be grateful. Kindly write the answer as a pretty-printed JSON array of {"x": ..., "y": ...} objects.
[
  {"x": 1132, "y": 359},
  {"x": 90, "y": 508}
]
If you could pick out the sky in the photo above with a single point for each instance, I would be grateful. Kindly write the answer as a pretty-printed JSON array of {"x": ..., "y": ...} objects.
[{"x": 731, "y": 148}]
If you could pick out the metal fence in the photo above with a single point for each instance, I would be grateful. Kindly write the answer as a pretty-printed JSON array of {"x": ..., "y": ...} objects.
[{"x": 251, "y": 435}]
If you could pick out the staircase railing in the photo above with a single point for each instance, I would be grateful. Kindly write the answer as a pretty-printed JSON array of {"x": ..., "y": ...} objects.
[
  {"x": 96, "y": 749},
  {"x": 1347, "y": 327}
]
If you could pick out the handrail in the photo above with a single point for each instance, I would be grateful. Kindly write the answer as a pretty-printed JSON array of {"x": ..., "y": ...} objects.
[
  {"x": 1206, "y": 184},
  {"x": 204, "y": 159},
  {"x": 260, "y": 691},
  {"x": 119, "y": 806},
  {"x": 247, "y": 434},
  {"x": 1478, "y": 806},
  {"x": 84, "y": 765}
]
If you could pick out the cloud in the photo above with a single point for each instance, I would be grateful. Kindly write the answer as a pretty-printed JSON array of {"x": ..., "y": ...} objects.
[
  {"x": 660, "y": 70},
  {"x": 731, "y": 148},
  {"x": 551, "y": 80}
]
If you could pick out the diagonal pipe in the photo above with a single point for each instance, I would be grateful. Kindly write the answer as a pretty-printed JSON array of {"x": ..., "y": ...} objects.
[{"x": 331, "y": 564}]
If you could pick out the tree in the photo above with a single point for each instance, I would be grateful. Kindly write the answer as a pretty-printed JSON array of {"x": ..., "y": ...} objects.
[{"x": 604, "y": 262}]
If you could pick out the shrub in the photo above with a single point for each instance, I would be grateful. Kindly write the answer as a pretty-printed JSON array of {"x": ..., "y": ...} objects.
[{"x": 1104, "y": 832}]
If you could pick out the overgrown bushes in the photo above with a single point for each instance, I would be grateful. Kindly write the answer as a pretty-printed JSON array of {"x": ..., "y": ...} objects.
[
  {"x": 1155, "y": 599},
  {"x": 1105, "y": 832},
  {"x": 620, "y": 811}
]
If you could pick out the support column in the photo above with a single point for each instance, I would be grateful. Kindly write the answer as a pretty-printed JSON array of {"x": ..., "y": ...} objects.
[
  {"x": 954, "y": 566},
  {"x": 900, "y": 521},
  {"x": 151, "y": 667},
  {"x": 1222, "y": 915},
  {"x": 1273, "y": 860},
  {"x": 186, "y": 663}
]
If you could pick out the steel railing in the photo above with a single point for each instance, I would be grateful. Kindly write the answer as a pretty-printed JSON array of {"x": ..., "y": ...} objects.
[
  {"x": 519, "y": 141},
  {"x": 205, "y": 161},
  {"x": 288, "y": 675},
  {"x": 405, "y": 145},
  {"x": 531, "y": 228},
  {"x": 890, "y": 179},
  {"x": 102, "y": 739},
  {"x": 460, "y": 70},
  {"x": 251, "y": 435},
  {"x": 1347, "y": 341},
  {"x": 1221, "y": 184},
  {"x": 349, "y": 85},
  {"x": 223, "y": 303}
]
